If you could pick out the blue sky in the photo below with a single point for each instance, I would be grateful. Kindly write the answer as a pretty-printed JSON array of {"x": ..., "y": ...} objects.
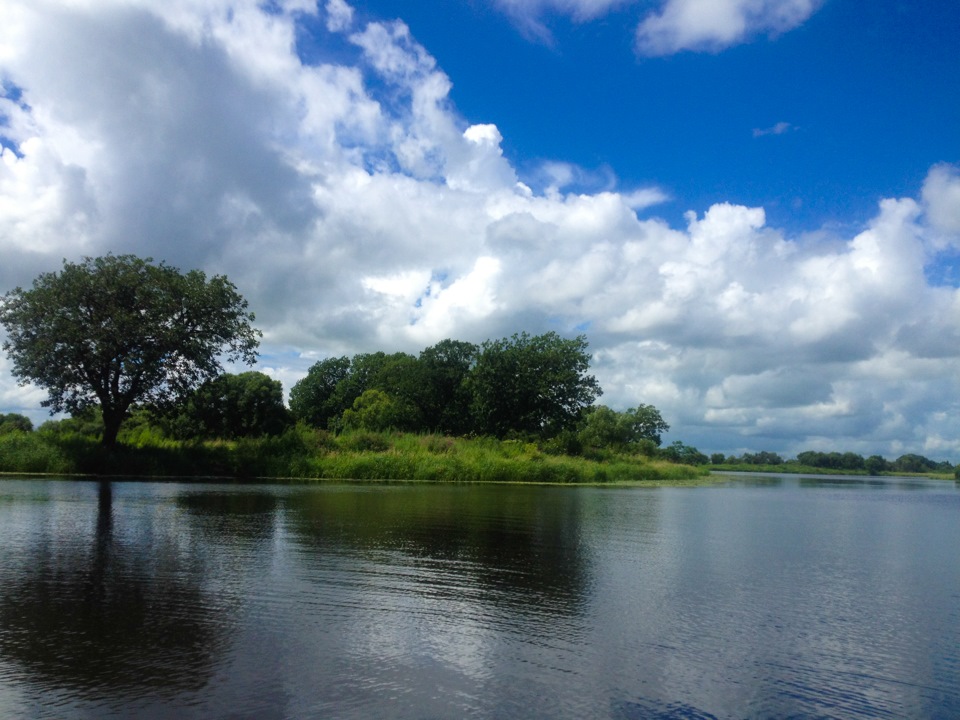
[
  {"x": 866, "y": 99},
  {"x": 750, "y": 207}
]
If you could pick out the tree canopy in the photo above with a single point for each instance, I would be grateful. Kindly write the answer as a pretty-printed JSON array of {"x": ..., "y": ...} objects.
[
  {"x": 534, "y": 384},
  {"x": 119, "y": 330},
  {"x": 14, "y": 422},
  {"x": 606, "y": 428},
  {"x": 525, "y": 384},
  {"x": 248, "y": 404}
]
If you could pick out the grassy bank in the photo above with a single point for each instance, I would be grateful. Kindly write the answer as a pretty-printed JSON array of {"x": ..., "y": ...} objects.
[{"x": 309, "y": 454}]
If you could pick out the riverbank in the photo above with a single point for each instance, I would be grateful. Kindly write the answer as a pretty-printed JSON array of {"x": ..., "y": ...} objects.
[
  {"x": 304, "y": 454},
  {"x": 792, "y": 468}
]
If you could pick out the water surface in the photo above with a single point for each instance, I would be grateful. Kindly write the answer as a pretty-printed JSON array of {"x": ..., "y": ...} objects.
[{"x": 765, "y": 597}]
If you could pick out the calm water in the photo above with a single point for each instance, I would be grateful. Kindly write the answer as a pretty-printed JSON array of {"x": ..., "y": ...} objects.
[{"x": 773, "y": 597}]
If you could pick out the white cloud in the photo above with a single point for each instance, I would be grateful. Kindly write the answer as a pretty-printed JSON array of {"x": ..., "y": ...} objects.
[
  {"x": 580, "y": 9},
  {"x": 339, "y": 15},
  {"x": 359, "y": 214},
  {"x": 777, "y": 129},
  {"x": 716, "y": 24},
  {"x": 941, "y": 195},
  {"x": 528, "y": 14},
  {"x": 678, "y": 25}
]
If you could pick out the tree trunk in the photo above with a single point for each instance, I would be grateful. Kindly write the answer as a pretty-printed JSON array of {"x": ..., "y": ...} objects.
[{"x": 111, "y": 426}]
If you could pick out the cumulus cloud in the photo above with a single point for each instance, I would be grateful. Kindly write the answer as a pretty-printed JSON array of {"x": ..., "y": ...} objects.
[
  {"x": 712, "y": 25},
  {"x": 941, "y": 196},
  {"x": 357, "y": 210},
  {"x": 339, "y": 15},
  {"x": 678, "y": 25}
]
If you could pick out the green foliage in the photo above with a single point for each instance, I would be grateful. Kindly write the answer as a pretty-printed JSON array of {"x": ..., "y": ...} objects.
[
  {"x": 445, "y": 402},
  {"x": 87, "y": 423},
  {"x": 14, "y": 422},
  {"x": 644, "y": 422},
  {"x": 678, "y": 452},
  {"x": 378, "y": 411},
  {"x": 229, "y": 407},
  {"x": 832, "y": 460},
  {"x": 846, "y": 463},
  {"x": 333, "y": 386},
  {"x": 32, "y": 453},
  {"x": 623, "y": 431},
  {"x": 760, "y": 458},
  {"x": 364, "y": 370},
  {"x": 364, "y": 441},
  {"x": 114, "y": 331},
  {"x": 531, "y": 384},
  {"x": 875, "y": 464},
  {"x": 527, "y": 385},
  {"x": 314, "y": 399},
  {"x": 302, "y": 452},
  {"x": 911, "y": 463}
]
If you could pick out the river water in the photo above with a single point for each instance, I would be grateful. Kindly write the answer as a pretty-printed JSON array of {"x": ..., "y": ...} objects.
[{"x": 761, "y": 597}]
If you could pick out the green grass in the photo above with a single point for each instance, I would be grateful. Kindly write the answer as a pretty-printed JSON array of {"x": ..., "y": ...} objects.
[{"x": 308, "y": 454}]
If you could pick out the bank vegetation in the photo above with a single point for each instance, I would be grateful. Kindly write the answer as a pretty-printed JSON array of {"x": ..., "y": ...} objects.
[{"x": 304, "y": 453}]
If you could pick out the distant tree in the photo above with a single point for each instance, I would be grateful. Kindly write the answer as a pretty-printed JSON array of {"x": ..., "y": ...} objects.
[
  {"x": 87, "y": 422},
  {"x": 364, "y": 368},
  {"x": 314, "y": 398},
  {"x": 249, "y": 404},
  {"x": 602, "y": 428},
  {"x": 765, "y": 457},
  {"x": 446, "y": 402},
  {"x": 536, "y": 385},
  {"x": 645, "y": 423},
  {"x": 606, "y": 428},
  {"x": 911, "y": 463},
  {"x": 404, "y": 379},
  {"x": 332, "y": 386},
  {"x": 851, "y": 461},
  {"x": 875, "y": 464},
  {"x": 679, "y": 452},
  {"x": 812, "y": 458},
  {"x": 717, "y": 458},
  {"x": 118, "y": 330},
  {"x": 14, "y": 422}
]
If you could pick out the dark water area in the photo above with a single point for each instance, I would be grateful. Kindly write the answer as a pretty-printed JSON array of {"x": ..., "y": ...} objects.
[{"x": 762, "y": 597}]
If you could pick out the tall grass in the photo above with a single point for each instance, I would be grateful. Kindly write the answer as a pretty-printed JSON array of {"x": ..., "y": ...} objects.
[
  {"x": 24, "y": 452},
  {"x": 304, "y": 453}
]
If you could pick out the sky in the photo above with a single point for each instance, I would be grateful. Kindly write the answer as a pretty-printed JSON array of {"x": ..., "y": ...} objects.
[{"x": 750, "y": 208}]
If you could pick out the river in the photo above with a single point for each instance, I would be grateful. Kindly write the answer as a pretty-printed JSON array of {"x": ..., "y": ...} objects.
[{"x": 758, "y": 597}]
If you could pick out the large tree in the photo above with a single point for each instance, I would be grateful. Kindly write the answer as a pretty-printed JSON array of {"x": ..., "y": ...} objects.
[
  {"x": 535, "y": 385},
  {"x": 446, "y": 398},
  {"x": 119, "y": 330},
  {"x": 314, "y": 399}
]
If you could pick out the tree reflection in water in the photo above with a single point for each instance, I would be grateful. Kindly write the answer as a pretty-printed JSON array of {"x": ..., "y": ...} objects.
[
  {"x": 522, "y": 549},
  {"x": 112, "y": 615}
]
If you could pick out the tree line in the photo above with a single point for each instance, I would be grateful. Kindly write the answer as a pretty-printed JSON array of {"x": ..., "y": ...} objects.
[
  {"x": 535, "y": 387},
  {"x": 120, "y": 339},
  {"x": 846, "y": 461}
]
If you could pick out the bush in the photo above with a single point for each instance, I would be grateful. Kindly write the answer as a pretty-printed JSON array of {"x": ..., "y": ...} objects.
[
  {"x": 14, "y": 422},
  {"x": 31, "y": 453}
]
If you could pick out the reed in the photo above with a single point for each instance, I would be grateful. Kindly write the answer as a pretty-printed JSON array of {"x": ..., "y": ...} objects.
[{"x": 304, "y": 453}]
